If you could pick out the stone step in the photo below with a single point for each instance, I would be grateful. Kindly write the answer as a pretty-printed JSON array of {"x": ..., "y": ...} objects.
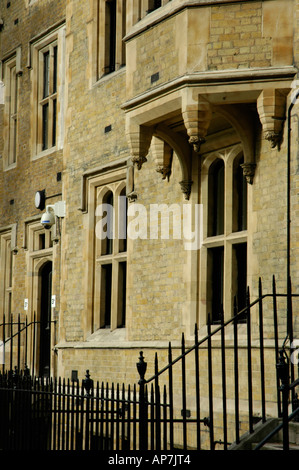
[
  {"x": 277, "y": 442},
  {"x": 276, "y": 446}
]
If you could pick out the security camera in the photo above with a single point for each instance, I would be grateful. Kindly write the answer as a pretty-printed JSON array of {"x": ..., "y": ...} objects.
[{"x": 48, "y": 219}]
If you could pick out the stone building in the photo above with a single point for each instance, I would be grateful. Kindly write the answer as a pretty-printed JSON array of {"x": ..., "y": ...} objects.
[{"x": 179, "y": 106}]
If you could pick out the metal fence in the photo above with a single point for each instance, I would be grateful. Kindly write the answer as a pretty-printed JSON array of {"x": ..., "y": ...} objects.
[
  {"x": 19, "y": 342},
  {"x": 46, "y": 414},
  {"x": 204, "y": 398}
]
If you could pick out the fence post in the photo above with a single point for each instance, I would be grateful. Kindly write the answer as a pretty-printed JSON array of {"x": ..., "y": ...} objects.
[
  {"x": 283, "y": 374},
  {"x": 143, "y": 425}
]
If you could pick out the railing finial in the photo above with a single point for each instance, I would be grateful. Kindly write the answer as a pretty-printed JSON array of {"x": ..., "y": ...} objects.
[{"x": 141, "y": 367}]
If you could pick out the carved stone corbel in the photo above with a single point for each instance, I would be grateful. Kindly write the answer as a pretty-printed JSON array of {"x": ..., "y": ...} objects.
[
  {"x": 249, "y": 171},
  {"x": 130, "y": 186},
  {"x": 186, "y": 188},
  {"x": 139, "y": 140},
  {"x": 162, "y": 153},
  {"x": 197, "y": 117},
  {"x": 271, "y": 106}
]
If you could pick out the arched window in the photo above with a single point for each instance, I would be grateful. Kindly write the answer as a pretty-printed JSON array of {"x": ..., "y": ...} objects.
[
  {"x": 107, "y": 245},
  {"x": 239, "y": 196},
  {"x": 111, "y": 259},
  {"x": 223, "y": 257},
  {"x": 216, "y": 198}
]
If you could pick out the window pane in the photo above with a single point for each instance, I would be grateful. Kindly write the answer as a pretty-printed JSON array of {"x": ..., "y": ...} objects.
[
  {"x": 110, "y": 35},
  {"x": 55, "y": 69},
  {"x": 239, "y": 198},
  {"x": 106, "y": 287},
  {"x": 54, "y": 123},
  {"x": 122, "y": 223},
  {"x": 215, "y": 294},
  {"x": 45, "y": 125},
  {"x": 122, "y": 283},
  {"x": 216, "y": 199},
  {"x": 12, "y": 141},
  {"x": 107, "y": 242},
  {"x": 46, "y": 77},
  {"x": 240, "y": 275}
]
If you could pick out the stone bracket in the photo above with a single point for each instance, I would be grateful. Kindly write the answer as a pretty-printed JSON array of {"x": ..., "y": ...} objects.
[
  {"x": 197, "y": 117},
  {"x": 249, "y": 171},
  {"x": 186, "y": 188},
  {"x": 271, "y": 106},
  {"x": 139, "y": 140},
  {"x": 163, "y": 154}
]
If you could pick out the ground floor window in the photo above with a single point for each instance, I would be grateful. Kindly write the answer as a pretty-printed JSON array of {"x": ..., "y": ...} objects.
[{"x": 223, "y": 257}]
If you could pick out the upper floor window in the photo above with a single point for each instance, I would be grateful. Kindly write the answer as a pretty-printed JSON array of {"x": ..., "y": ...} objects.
[
  {"x": 48, "y": 95},
  {"x": 11, "y": 109},
  {"x": 47, "y": 68},
  {"x": 111, "y": 31}
]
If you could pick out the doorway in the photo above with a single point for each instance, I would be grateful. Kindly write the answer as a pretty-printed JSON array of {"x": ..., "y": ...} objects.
[{"x": 45, "y": 319}]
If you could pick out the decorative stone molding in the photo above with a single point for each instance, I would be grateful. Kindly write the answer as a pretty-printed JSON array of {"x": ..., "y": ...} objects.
[
  {"x": 271, "y": 105},
  {"x": 162, "y": 153},
  {"x": 132, "y": 196},
  {"x": 197, "y": 117},
  {"x": 139, "y": 140},
  {"x": 186, "y": 188},
  {"x": 273, "y": 137},
  {"x": 139, "y": 161},
  {"x": 249, "y": 171}
]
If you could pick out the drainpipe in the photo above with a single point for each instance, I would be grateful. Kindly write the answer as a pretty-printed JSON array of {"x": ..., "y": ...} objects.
[
  {"x": 289, "y": 292},
  {"x": 289, "y": 188},
  {"x": 294, "y": 99}
]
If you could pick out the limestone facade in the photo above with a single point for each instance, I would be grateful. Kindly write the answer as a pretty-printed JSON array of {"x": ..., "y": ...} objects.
[{"x": 168, "y": 104}]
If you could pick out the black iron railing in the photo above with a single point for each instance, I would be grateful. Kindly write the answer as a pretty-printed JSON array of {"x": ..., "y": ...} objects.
[
  {"x": 206, "y": 396},
  {"x": 286, "y": 388},
  {"x": 53, "y": 414},
  {"x": 19, "y": 343},
  {"x": 203, "y": 425}
]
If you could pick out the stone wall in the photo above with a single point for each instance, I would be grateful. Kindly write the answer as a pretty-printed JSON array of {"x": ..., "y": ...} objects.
[{"x": 23, "y": 22}]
